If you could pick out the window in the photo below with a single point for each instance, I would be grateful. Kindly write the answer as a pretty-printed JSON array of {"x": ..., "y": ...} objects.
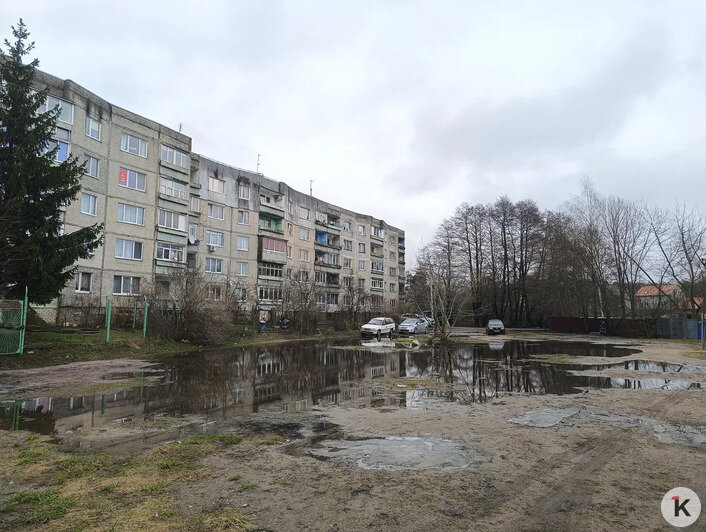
[
  {"x": 290, "y": 207},
  {"x": 321, "y": 217},
  {"x": 60, "y": 142},
  {"x": 242, "y": 243},
  {"x": 175, "y": 156},
  {"x": 361, "y": 230},
  {"x": 361, "y": 283},
  {"x": 271, "y": 244},
  {"x": 214, "y": 238},
  {"x": 241, "y": 268},
  {"x": 361, "y": 265},
  {"x": 289, "y": 252},
  {"x": 361, "y": 248},
  {"x": 93, "y": 128},
  {"x": 347, "y": 263},
  {"x": 269, "y": 269},
  {"x": 348, "y": 245},
  {"x": 243, "y": 217},
  {"x": 216, "y": 185},
  {"x": 172, "y": 188},
  {"x": 216, "y": 211},
  {"x": 66, "y": 109},
  {"x": 241, "y": 294},
  {"x": 213, "y": 292},
  {"x": 193, "y": 230},
  {"x": 128, "y": 249},
  {"x": 173, "y": 252},
  {"x": 392, "y": 255},
  {"x": 346, "y": 282},
  {"x": 304, "y": 234},
  {"x": 243, "y": 191},
  {"x": 304, "y": 255},
  {"x": 377, "y": 231},
  {"x": 134, "y": 145},
  {"x": 376, "y": 283},
  {"x": 272, "y": 293},
  {"x": 131, "y": 214},
  {"x": 124, "y": 285},
  {"x": 393, "y": 272},
  {"x": 214, "y": 265},
  {"x": 303, "y": 276},
  {"x": 91, "y": 165},
  {"x": 393, "y": 287},
  {"x": 289, "y": 229},
  {"x": 131, "y": 179},
  {"x": 304, "y": 213},
  {"x": 377, "y": 266},
  {"x": 88, "y": 204},
  {"x": 171, "y": 220},
  {"x": 194, "y": 204},
  {"x": 347, "y": 226},
  {"x": 83, "y": 282}
]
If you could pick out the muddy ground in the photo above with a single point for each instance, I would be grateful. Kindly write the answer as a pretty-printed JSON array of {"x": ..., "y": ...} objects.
[{"x": 600, "y": 460}]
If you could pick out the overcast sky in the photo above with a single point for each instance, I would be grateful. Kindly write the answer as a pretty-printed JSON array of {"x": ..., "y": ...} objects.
[{"x": 404, "y": 109}]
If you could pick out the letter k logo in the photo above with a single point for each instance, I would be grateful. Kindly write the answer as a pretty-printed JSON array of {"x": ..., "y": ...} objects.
[{"x": 680, "y": 507}]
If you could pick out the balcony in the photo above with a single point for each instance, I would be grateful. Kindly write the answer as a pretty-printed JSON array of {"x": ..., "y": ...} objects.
[
  {"x": 268, "y": 224},
  {"x": 379, "y": 237},
  {"x": 273, "y": 208}
]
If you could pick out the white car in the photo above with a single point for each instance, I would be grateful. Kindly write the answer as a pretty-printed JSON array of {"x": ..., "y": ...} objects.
[
  {"x": 378, "y": 327},
  {"x": 413, "y": 326}
]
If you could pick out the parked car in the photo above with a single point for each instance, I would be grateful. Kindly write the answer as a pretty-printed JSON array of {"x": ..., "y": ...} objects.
[
  {"x": 429, "y": 317},
  {"x": 378, "y": 327},
  {"x": 414, "y": 326},
  {"x": 495, "y": 327}
]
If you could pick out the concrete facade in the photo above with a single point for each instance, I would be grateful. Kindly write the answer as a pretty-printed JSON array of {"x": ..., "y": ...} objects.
[{"x": 165, "y": 208}]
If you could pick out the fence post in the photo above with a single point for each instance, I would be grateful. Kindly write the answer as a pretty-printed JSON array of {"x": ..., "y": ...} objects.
[
  {"x": 144, "y": 324},
  {"x": 108, "y": 307},
  {"x": 23, "y": 322}
]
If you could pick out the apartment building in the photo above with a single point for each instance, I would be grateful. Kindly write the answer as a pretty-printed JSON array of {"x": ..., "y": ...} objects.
[{"x": 165, "y": 209}]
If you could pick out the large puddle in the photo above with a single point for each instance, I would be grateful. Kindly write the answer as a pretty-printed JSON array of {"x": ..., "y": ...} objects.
[{"x": 223, "y": 384}]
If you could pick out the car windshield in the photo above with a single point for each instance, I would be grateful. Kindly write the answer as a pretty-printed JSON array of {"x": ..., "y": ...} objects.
[
  {"x": 409, "y": 321},
  {"x": 495, "y": 323},
  {"x": 376, "y": 321}
]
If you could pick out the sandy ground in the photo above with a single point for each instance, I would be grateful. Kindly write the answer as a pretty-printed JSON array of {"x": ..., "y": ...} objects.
[{"x": 605, "y": 468}]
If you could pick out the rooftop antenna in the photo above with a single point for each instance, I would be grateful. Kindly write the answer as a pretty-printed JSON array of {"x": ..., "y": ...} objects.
[
  {"x": 257, "y": 170},
  {"x": 181, "y": 126},
  {"x": 311, "y": 181}
]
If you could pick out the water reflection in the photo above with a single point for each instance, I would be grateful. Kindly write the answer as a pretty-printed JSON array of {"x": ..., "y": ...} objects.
[{"x": 293, "y": 378}]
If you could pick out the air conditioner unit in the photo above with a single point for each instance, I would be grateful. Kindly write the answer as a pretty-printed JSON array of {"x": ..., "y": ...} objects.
[{"x": 211, "y": 248}]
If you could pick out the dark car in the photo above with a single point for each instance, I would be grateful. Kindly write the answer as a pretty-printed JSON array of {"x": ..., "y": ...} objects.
[{"x": 495, "y": 327}]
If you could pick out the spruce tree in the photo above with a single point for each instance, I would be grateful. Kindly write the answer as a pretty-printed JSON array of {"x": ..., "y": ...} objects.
[{"x": 33, "y": 186}]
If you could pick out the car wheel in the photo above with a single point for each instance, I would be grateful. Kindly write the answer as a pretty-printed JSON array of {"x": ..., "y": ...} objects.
[
  {"x": 379, "y": 336},
  {"x": 390, "y": 335}
]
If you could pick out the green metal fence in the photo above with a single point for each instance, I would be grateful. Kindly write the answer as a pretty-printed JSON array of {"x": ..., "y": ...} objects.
[{"x": 13, "y": 324}]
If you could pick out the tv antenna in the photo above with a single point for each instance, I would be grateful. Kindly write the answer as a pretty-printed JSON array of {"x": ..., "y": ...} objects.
[
  {"x": 257, "y": 170},
  {"x": 311, "y": 181}
]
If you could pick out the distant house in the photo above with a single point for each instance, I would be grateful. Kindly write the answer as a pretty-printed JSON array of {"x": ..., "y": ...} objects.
[{"x": 658, "y": 296}]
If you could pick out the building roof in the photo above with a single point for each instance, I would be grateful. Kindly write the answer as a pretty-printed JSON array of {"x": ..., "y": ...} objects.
[{"x": 653, "y": 290}]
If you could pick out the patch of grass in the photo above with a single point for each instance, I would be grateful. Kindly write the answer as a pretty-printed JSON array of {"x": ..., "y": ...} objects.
[
  {"x": 177, "y": 457},
  {"x": 225, "y": 439},
  {"x": 39, "y": 506},
  {"x": 407, "y": 383},
  {"x": 31, "y": 437},
  {"x": 235, "y": 478},
  {"x": 107, "y": 490},
  {"x": 157, "y": 487},
  {"x": 86, "y": 464},
  {"x": 248, "y": 486},
  {"x": 31, "y": 456},
  {"x": 166, "y": 514},
  {"x": 229, "y": 519}
]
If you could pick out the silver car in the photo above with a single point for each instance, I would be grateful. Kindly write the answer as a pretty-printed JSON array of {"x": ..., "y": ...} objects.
[{"x": 413, "y": 326}]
